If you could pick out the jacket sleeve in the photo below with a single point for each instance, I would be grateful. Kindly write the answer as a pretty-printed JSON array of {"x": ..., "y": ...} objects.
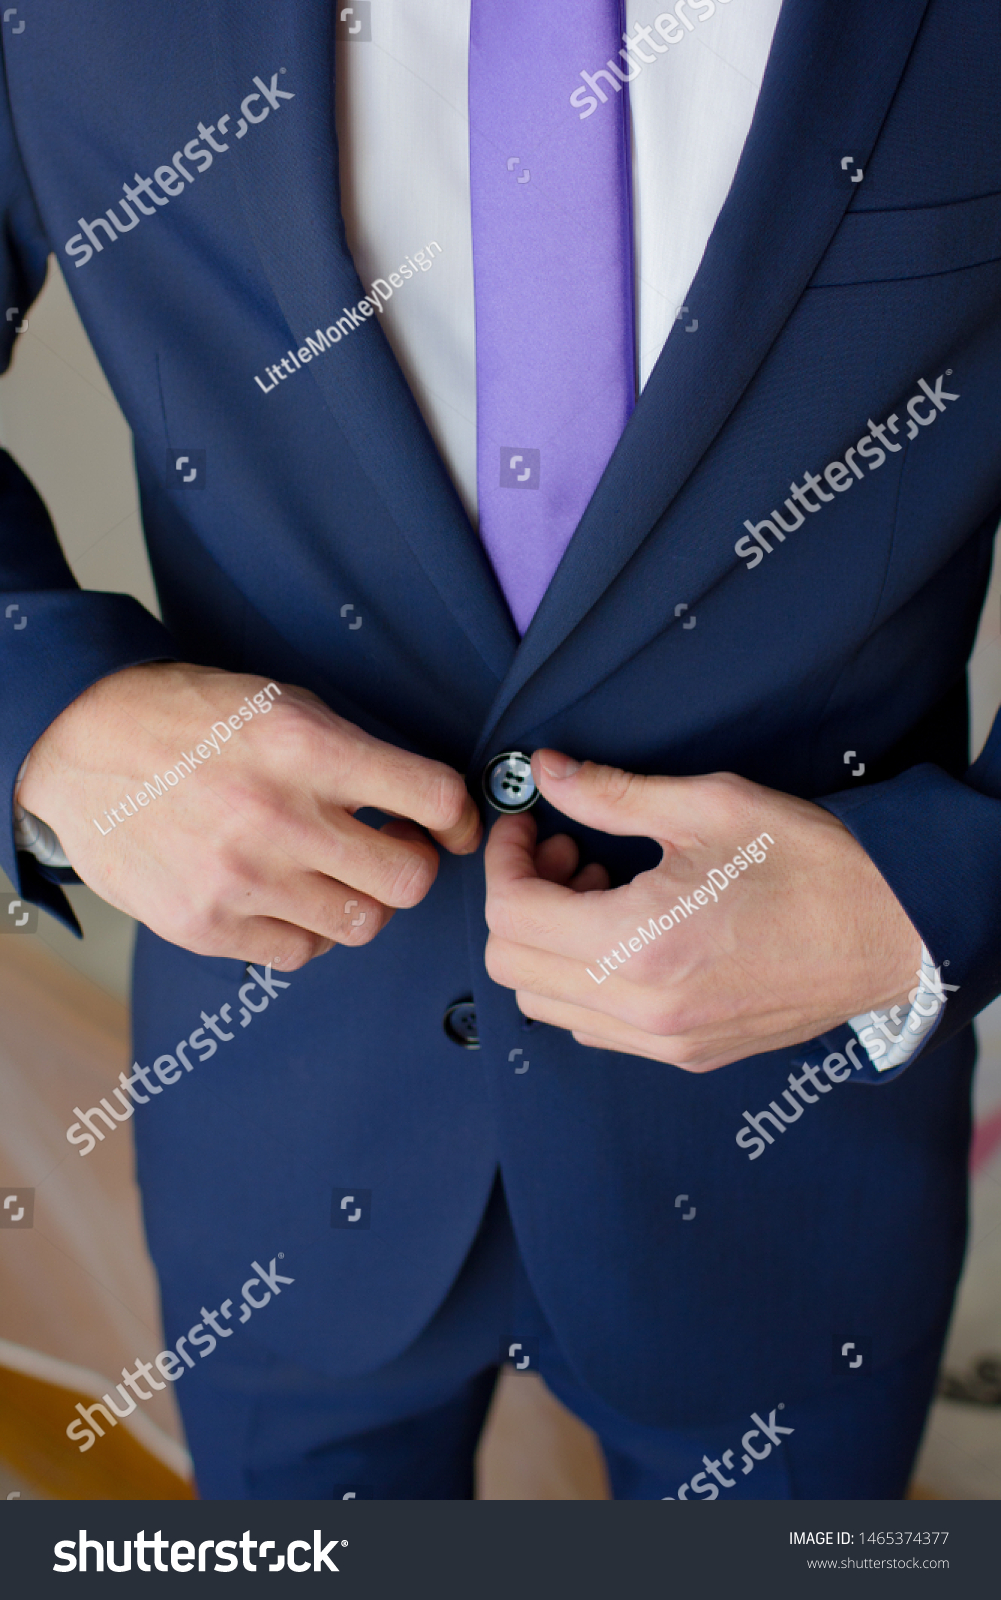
[
  {"x": 936, "y": 840},
  {"x": 55, "y": 638}
]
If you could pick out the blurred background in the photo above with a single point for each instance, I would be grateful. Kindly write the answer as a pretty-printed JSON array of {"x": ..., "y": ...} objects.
[{"x": 78, "y": 1298}]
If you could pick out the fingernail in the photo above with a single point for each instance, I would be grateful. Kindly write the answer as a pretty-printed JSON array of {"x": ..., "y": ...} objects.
[{"x": 556, "y": 765}]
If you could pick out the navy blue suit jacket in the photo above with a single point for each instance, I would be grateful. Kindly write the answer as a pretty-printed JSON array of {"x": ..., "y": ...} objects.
[{"x": 820, "y": 305}]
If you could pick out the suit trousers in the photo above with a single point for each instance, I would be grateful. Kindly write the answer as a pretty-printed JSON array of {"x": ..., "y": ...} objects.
[{"x": 261, "y": 1428}]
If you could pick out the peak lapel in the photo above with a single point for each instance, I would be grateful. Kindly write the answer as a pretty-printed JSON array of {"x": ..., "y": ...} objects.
[
  {"x": 832, "y": 73},
  {"x": 291, "y": 198}
]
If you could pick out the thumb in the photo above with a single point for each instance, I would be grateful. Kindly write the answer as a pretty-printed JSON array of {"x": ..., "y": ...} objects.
[{"x": 605, "y": 798}]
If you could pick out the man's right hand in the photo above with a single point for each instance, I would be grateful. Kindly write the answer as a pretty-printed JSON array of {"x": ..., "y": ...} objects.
[{"x": 257, "y": 854}]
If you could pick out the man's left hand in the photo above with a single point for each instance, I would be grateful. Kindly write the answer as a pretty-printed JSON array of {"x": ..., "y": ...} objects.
[{"x": 792, "y": 946}]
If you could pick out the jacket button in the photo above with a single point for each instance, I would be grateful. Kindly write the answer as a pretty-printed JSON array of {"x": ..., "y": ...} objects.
[
  {"x": 459, "y": 1023},
  {"x": 508, "y": 783}
]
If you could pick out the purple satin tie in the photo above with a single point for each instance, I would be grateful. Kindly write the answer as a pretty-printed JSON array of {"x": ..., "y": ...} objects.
[{"x": 552, "y": 262}]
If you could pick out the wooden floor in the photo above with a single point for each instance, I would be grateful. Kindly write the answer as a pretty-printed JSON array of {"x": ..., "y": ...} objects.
[{"x": 33, "y": 1417}]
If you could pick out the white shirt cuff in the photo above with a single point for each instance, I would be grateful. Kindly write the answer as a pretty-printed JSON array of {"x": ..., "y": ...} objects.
[{"x": 889, "y": 1040}]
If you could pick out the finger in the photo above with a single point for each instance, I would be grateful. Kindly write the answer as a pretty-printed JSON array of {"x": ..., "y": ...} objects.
[
  {"x": 509, "y": 853},
  {"x": 605, "y": 1033},
  {"x": 464, "y": 836},
  {"x": 608, "y": 1033},
  {"x": 606, "y": 798},
  {"x": 651, "y": 1050},
  {"x": 527, "y": 909},
  {"x": 593, "y": 876},
  {"x": 697, "y": 1050},
  {"x": 284, "y": 947},
  {"x": 349, "y": 918},
  {"x": 592, "y": 1042},
  {"x": 556, "y": 978},
  {"x": 261, "y": 940},
  {"x": 614, "y": 801},
  {"x": 335, "y": 911},
  {"x": 395, "y": 864},
  {"x": 429, "y": 792},
  {"x": 324, "y": 837},
  {"x": 556, "y": 858},
  {"x": 699, "y": 1007},
  {"x": 319, "y": 907},
  {"x": 556, "y": 861}
]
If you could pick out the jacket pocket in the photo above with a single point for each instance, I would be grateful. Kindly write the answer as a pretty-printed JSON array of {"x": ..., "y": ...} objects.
[{"x": 882, "y": 246}]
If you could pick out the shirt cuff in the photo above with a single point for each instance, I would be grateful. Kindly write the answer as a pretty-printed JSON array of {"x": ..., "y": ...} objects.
[
  {"x": 35, "y": 836},
  {"x": 887, "y": 1049}
]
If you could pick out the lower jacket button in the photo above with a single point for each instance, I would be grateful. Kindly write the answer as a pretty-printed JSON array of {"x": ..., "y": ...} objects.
[{"x": 459, "y": 1023}]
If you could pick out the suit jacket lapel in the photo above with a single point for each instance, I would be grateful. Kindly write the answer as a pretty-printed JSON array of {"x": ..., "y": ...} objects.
[
  {"x": 832, "y": 73},
  {"x": 290, "y": 193}
]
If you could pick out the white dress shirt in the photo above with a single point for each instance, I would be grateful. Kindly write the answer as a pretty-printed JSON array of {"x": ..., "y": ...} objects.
[{"x": 402, "y": 127}]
